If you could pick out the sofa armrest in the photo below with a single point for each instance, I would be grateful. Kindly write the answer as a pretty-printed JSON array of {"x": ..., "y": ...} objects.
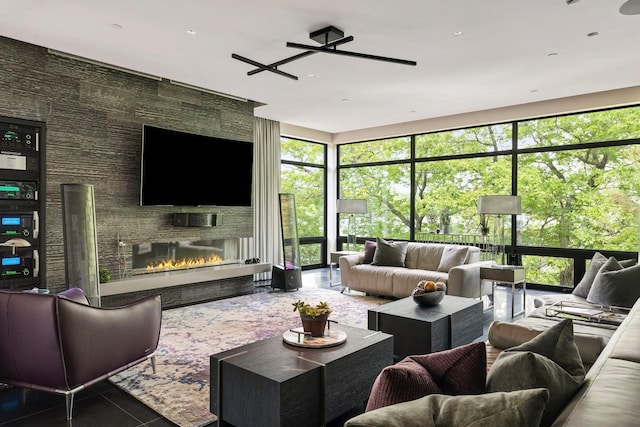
[
  {"x": 97, "y": 342},
  {"x": 346, "y": 262},
  {"x": 464, "y": 280}
]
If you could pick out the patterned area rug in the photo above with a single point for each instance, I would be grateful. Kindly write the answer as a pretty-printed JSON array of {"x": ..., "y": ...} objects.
[{"x": 179, "y": 390}]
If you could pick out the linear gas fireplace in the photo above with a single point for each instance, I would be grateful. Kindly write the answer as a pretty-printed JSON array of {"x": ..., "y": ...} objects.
[{"x": 170, "y": 256}]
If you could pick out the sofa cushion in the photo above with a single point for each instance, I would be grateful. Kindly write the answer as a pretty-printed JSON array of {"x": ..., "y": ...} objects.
[
  {"x": 550, "y": 360},
  {"x": 461, "y": 370},
  {"x": 369, "y": 251},
  {"x": 390, "y": 253},
  {"x": 523, "y": 408},
  {"x": 452, "y": 256},
  {"x": 557, "y": 344},
  {"x": 424, "y": 256},
  {"x": 503, "y": 335},
  {"x": 615, "y": 285},
  {"x": 584, "y": 286}
]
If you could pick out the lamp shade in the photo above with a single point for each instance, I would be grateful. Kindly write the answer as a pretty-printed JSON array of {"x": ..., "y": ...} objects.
[
  {"x": 499, "y": 205},
  {"x": 351, "y": 206}
]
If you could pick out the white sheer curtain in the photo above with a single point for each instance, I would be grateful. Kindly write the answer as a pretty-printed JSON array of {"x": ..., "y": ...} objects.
[{"x": 265, "y": 243}]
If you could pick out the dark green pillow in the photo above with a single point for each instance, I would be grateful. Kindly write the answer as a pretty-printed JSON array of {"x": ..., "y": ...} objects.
[
  {"x": 390, "y": 254},
  {"x": 522, "y": 408},
  {"x": 550, "y": 360}
]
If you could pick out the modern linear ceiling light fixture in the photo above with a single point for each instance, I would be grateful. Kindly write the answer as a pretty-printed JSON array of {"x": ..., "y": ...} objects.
[{"x": 330, "y": 38}]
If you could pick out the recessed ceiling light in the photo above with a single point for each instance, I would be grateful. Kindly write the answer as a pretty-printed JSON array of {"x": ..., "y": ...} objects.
[
  {"x": 457, "y": 33},
  {"x": 311, "y": 75},
  {"x": 191, "y": 32},
  {"x": 552, "y": 54},
  {"x": 344, "y": 100},
  {"x": 116, "y": 26},
  {"x": 593, "y": 34},
  {"x": 533, "y": 90}
]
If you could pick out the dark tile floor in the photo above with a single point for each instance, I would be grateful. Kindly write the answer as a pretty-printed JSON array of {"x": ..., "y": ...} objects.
[{"x": 105, "y": 405}]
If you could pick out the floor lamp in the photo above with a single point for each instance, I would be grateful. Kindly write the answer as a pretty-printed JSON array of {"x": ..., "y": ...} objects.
[
  {"x": 351, "y": 207},
  {"x": 500, "y": 206}
]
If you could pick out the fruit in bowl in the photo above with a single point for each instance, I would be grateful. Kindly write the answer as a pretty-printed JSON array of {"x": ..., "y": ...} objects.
[{"x": 429, "y": 293}]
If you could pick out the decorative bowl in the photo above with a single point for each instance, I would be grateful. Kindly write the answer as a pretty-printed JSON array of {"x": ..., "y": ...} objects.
[{"x": 428, "y": 299}]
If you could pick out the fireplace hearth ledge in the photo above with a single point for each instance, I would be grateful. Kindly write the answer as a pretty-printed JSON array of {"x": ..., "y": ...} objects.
[{"x": 168, "y": 279}]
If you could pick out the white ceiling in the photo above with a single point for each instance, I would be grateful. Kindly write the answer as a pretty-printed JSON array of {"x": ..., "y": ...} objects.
[{"x": 511, "y": 51}]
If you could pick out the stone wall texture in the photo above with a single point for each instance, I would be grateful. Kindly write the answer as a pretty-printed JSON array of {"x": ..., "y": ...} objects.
[{"x": 93, "y": 117}]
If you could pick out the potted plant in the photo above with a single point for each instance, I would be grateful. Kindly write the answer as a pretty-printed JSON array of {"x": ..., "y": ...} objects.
[
  {"x": 484, "y": 225},
  {"x": 445, "y": 220},
  {"x": 314, "y": 318},
  {"x": 104, "y": 275}
]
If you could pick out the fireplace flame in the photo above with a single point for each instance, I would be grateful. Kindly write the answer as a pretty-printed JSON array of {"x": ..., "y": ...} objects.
[{"x": 170, "y": 264}]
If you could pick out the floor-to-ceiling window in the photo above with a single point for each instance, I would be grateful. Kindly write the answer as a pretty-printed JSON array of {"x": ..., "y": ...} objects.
[
  {"x": 578, "y": 176},
  {"x": 303, "y": 173}
]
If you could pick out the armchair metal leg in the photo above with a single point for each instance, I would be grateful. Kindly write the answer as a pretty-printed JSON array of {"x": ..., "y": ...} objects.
[
  {"x": 68, "y": 397},
  {"x": 153, "y": 363}
]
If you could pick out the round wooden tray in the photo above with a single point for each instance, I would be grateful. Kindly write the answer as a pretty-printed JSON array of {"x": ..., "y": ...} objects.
[{"x": 332, "y": 338}]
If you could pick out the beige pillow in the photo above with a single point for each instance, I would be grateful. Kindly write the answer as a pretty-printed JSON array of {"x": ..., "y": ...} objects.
[{"x": 452, "y": 256}]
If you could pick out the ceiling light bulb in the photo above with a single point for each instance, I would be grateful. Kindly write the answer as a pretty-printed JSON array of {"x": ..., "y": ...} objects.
[
  {"x": 457, "y": 33},
  {"x": 191, "y": 32}
]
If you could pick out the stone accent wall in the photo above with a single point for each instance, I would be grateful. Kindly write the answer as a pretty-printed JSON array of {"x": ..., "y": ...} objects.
[{"x": 93, "y": 117}]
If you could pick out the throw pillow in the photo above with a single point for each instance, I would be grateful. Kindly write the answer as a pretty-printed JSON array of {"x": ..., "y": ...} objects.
[
  {"x": 556, "y": 343},
  {"x": 584, "y": 286},
  {"x": 461, "y": 370},
  {"x": 522, "y": 408},
  {"x": 615, "y": 285},
  {"x": 452, "y": 256},
  {"x": 550, "y": 360},
  {"x": 369, "y": 251},
  {"x": 390, "y": 254}
]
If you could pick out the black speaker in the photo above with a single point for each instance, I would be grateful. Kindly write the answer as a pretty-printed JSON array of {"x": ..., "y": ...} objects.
[{"x": 285, "y": 279}]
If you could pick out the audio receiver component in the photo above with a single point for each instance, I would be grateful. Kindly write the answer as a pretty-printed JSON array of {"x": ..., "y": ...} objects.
[
  {"x": 18, "y": 190},
  {"x": 19, "y": 224}
]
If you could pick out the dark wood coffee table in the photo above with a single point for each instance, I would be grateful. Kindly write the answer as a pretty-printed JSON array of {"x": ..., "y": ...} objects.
[
  {"x": 421, "y": 330},
  {"x": 271, "y": 383}
]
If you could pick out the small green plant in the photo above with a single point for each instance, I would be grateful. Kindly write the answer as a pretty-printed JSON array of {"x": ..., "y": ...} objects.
[
  {"x": 312, "y": 311},
  {"x": 445, "y": 217},
  {"x": 484, "y": 225},
  {"x": 104, "y": 275}
]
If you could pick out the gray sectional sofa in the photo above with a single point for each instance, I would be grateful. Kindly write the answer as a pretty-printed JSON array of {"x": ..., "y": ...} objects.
[
  {"x": 542, "y": 370},
  {"x": 456, "y": 265}
]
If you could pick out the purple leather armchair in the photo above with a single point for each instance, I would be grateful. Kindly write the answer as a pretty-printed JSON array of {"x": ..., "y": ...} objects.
[{"x": 60, "y": 344}]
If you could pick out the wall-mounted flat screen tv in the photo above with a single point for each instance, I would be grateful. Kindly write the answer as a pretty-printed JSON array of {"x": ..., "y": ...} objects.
[{"x": 185, "y": 169}]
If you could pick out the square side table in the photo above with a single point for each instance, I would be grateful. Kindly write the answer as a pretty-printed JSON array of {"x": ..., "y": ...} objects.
[
  {"x": 334, "y": 258},
  {"x": 421, "y": 330},
  {"x": 510, "y": 275}
]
